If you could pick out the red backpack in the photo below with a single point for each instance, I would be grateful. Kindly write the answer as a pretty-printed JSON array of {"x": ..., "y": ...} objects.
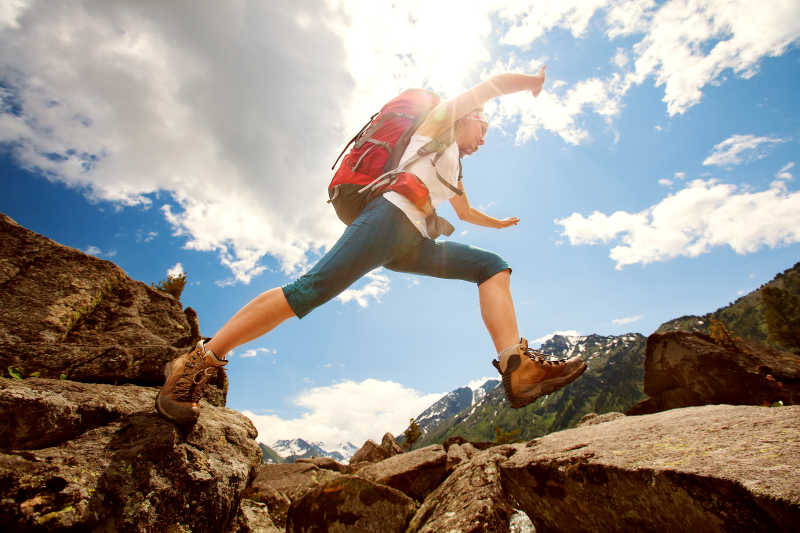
[{"x": 370, "y": 168}]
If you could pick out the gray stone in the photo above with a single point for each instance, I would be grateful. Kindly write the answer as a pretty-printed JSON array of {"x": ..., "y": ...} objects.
[
  {"x": 685, "y": 369},
  {"x": 68, "y": 313},
  {"x": 711, "y": 468},
  {"x": 470, "y": 500},
  {"x": 278, "y": 485},
  {"x": 593, "y": 418},
  {"x": 133, "y": 472},
  {"x": 350, "y": 504},
  {"x": 414, "y": 473}
]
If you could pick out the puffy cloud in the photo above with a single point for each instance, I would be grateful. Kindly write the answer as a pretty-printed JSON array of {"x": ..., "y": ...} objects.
[
  {"x": 690, "y": 222},
  {"x": 254, "y": 352},
  {"x": 347, "y": 411},
  {"x": 740, "y": 148},
  {"x": 236, "y": 109},
  {"x": 687, "y": 45},
  {"x": 124, "y": 100},
  {"x": 377, "y": 285}
]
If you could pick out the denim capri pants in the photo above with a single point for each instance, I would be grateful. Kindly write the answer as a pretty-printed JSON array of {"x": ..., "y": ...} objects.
[{"x": 383, "y": 236}]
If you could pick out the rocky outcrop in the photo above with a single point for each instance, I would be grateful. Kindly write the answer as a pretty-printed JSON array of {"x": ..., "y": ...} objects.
[
  {"x": 69, "y": 315},
  {"x": 487, "y": 509},
  {"x": 279, "y": 485},
  {"x": 371, "y": 452},
  {"x": 712, "y": 468},
  {"x": 95, "y": 457},
  {"x": 685, "y": 369},
  {"x": 415, "y": 473},
  {"x": 349, "y": 504},
  {"x": 82, "y": 450}
]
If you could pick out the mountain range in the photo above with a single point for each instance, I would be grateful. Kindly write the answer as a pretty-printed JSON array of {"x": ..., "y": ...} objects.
[{"x": 613, "y": 381}]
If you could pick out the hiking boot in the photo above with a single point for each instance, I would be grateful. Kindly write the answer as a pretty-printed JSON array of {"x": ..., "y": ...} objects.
[
  {"x": 528, "y": 374},
  {"x": 185, "y": 378}
]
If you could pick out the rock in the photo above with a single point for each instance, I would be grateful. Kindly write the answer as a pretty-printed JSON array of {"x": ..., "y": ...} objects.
[
  {"x": 711, "y": 468},
  {"x": 390, "y": 445},
  {"x": 414, "y": 473},
  {"x": 470, "y": 500},
  {"x": 350, "y": 504},
  {"x": 254, "y": 518},
  {"x": 278, "y": 485},
  {"x": 327, "y": 463},
  {"x": 122, "y": 467},
  {"x": 456, "y": 455},
  {"x": 593, "y": 418},
  {"x": 369, "y": 453},
  {"x": 68, "y": 313},
  {"x": 684, "y": 369},
  {"x": 461, "y": 440}
]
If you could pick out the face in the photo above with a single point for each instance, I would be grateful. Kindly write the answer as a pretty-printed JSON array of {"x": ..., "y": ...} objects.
[{"x": 470, "y": 133}]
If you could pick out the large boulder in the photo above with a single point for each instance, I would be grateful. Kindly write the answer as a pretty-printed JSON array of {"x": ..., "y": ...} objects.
[
  {"x": 712, "y": 468},
  {"x": 470, "y": 500},
  {"x": 350, "y": 504},
  {"x": 414, "y": 473},
  {"x": 66, "y": 313},
  {"x": 112, "y": 464},
  {"x": 685, "y": 369},
  {"x": 371, "y": 452},
  {"x": 278, "y": 485}
]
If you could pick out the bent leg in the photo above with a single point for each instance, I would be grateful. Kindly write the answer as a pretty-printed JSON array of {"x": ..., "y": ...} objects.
[
  {"x": 452, "y": 260},
  {"x": 260, "y": 315}
]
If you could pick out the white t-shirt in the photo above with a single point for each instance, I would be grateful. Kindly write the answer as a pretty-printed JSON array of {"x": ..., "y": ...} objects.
[{"x": 447, "y": 165}]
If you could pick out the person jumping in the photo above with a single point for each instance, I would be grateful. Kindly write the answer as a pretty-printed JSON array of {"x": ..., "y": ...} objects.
[{"x": 393, "y": 232}]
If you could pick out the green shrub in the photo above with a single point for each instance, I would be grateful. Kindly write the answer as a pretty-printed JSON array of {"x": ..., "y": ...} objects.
[{"x": 172, "y": 285}]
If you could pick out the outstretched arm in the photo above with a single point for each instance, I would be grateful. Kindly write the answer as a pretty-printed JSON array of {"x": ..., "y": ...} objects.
[
  {"x": 469, "y": 214},
  {"x": 497, "y": 85}
]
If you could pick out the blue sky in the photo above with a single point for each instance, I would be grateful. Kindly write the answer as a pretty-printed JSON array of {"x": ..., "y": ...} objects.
[{"x": 655, "y": 176}]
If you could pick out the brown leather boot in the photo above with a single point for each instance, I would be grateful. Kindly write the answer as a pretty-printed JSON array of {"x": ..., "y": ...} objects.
[
  {"x": 527, "y": 374},
  {"x": 185, "y": 378}
]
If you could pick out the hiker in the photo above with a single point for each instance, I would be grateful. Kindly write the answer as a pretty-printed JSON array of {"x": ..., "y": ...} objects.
[{"x": 394, "y": 232}]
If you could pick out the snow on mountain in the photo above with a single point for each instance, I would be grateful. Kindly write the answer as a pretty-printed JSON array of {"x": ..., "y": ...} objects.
[
  {"x": 291, "y": 449},
  {"x": 454, "y": 402}
]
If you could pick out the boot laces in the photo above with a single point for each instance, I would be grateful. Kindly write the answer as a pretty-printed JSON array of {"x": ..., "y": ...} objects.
[
  {"x": 189, "y": 387},
  {"x": 538, "y": 357}
]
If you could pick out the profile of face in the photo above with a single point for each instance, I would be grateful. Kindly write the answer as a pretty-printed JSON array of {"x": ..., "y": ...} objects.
[{"x": 470, "y": 132}]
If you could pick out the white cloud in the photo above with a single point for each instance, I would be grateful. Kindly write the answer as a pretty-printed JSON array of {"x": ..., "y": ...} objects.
[
  {"x": 627, "y": 320},
  {"x": 239, "y": 121},
  {"x": 680, "y": 175},
  {"x": 476, "y": 383},
  {"x": 376, "y": 286},
  {"x": 703, "y": 215},
  {"x": 687, "y": 45},
  {"x": 664, "y": 182},
  {"x": 97, "y": 252},
  {"x": 175, "y": 271},
  {"x": 783, "y": 173},
  {"x": 254, "y": 352},
  {"x": 740, "y": 148},
  {"x": 124, "y": 100},
  {"x": 347, "y": 411},
  {"x": 545, "y": 338}
]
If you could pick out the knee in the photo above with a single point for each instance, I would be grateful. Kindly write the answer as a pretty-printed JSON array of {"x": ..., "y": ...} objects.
[{"x": 503, "y": 277}]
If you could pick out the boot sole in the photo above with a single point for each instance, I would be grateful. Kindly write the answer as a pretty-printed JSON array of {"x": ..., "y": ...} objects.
[{"x": 541, "y": 389}]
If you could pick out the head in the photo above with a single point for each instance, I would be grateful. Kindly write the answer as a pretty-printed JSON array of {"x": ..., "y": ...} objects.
[{"x": 470, "y": 131}]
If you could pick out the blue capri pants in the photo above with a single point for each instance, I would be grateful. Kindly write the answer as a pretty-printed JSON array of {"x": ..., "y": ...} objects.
[{"x": 383, "y": 236}]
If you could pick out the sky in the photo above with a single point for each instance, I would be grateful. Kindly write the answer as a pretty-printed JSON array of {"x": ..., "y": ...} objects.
[{"x": 655, "y": 176}]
